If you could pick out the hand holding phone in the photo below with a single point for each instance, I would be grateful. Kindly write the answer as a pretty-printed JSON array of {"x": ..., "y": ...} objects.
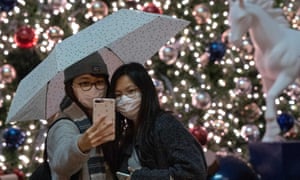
[
  {"x": 105, "y": 107},
  {"x": 122, "y": 176}
]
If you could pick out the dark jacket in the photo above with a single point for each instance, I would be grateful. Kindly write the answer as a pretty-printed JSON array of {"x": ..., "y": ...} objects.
[{"x": 175, "y": 153}]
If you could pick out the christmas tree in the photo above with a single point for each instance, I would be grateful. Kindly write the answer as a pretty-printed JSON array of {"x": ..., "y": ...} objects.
[{"x": 210, "y": 85}]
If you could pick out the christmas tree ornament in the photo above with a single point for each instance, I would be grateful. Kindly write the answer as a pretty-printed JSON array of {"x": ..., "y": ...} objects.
[
  {"x": 200, "y": 133},
  {"x": 286, "y": 122},
  {"x": 25, "y": 37},
  {"x": 248, "y": 47},
  {"x": 14, "y": 137},
  {"x": 201, "y": 13},
  {"x": 216, "y": 51},
  {"x": 152, "y": 8},
  {"x": 7, "y": 5},
  {"x": 19, "y": 173},
  {"x": 7, "y": 73},
  {"x": 97, "y": 10},
  {"x": 243, "y": 86},
  {"x": 234, "y": 168},
  {"x": 54, "y": 33},
  {"x": 57, "y": 5},
  {"x": 168, "y": 54},
  {"x": 201, "y": 100},
  {"x": 250, "y": 132}
]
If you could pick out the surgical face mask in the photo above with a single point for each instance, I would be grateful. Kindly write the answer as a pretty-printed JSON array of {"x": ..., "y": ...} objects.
[
  {"x": 129, "y": 106},
  {"x": 86, "y": 97}
]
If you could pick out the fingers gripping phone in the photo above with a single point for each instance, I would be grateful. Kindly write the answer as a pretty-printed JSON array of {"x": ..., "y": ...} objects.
[
  {"x": 122, "y": 176},
  {"x": 105, "y": 107}
]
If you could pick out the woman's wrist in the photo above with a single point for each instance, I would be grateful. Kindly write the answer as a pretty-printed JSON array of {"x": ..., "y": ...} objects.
[{"x": 81, "y": 145}]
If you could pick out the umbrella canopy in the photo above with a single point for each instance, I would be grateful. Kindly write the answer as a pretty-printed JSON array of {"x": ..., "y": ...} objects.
[{"x": 124, "y": 36}]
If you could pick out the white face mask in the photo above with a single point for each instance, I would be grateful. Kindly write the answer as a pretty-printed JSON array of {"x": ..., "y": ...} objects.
[
  {"x": 86, "y": 97},
  {"x": 129, "y": 107}
]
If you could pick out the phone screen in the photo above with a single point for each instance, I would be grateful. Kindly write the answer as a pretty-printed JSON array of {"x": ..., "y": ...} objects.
[{"x": 106, "y": 107}]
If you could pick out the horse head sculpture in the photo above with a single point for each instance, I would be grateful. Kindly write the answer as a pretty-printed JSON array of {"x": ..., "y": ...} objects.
[{"x": 277, "y": 50}]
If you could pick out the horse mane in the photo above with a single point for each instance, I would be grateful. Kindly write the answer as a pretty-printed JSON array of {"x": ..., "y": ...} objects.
[{"x": 276, "y": 13}]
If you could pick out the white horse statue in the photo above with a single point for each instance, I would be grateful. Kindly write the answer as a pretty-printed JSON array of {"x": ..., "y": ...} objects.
[{"x": 277, "y": 50}]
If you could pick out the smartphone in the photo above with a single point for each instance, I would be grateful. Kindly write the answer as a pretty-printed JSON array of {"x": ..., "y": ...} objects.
[
  {"x": 106, "y": 107},
  {"x": 122, "y": 176}
]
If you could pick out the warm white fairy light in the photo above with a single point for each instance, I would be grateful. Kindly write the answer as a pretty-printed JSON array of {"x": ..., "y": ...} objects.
[
  {"x": 217, "y": 139},
  {"x": 26, "y": 147},
  {"x": 277, "y": 101},
  {"x": 191, "y": 72},
  {"x": 183, "y": 82},
  {"x": 4, "y": 38},
  {"x": 164, "y": 99},
  {"x": 229, "y": 106},
  {"x": 240, "y": 71},
  {"x": 214, "y": 25},
  {"x": 294, "y": 107},
  {"x": 179, "y": 64},
  {"x": 249, "y": 96},
  {"x": 2, "y": 85},
  {"x": 186, "y": 67},
  {"x": 74, "y": 26},
  {"x": 192, "y": 48},
  {"x": 24, "y": 159},
  {"x": 182, "y": 53},
  {"x": 292, "y": 102}
]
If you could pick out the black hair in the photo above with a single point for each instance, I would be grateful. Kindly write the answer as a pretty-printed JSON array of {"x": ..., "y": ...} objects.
[{"x": 150, "y": 107}]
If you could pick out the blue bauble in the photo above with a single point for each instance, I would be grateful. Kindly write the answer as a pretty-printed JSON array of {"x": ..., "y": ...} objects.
[
  {"x": 285, "y": 121},
  {"x": 233, "y": 168},
  {"x": 216, "y": 50},
  {"x": 14, "y": 137},
  {"x": 7, "y": 5}
]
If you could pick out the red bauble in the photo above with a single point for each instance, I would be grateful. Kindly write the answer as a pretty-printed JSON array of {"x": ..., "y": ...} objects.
[
  {"x": 25, "y": 37},
  {"x": 200, "y": 134},
  {"x": 151, "y": 8},
  {"x": 20, "y": 174}
]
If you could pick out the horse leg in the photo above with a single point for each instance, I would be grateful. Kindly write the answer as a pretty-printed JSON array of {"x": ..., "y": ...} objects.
[
  {"x": 272, "y": 129},
  {"x": 266, "y": 83}
]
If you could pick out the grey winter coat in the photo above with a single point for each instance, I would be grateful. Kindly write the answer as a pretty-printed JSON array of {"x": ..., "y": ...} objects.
[{"x": 65, "y": 157}]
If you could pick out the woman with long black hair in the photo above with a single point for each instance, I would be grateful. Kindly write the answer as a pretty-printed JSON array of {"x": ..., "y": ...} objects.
[{"x": 153, "y": 143}]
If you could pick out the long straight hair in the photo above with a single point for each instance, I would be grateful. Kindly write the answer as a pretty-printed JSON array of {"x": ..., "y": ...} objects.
[{"x": 150, "y": 107}]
